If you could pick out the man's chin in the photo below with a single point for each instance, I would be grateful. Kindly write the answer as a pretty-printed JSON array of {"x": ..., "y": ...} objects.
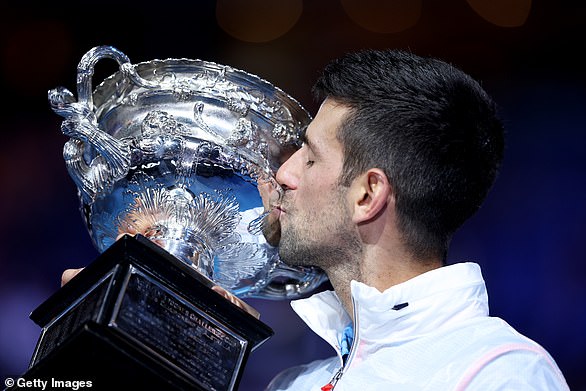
[
  {"x": 293, "y": 257},
  {"x": 272, "y": 230}
]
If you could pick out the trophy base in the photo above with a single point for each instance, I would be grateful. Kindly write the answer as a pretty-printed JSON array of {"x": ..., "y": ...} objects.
[{"x": 138, "y": 316}]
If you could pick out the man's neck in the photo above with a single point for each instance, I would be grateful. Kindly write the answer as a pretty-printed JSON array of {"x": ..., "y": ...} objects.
[{"x": 377, "y": 272}]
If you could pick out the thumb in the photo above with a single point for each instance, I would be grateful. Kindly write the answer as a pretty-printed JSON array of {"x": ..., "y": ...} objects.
[{"x": 68, "y": 275}]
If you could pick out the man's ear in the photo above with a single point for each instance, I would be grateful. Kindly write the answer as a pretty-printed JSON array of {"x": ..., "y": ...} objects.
[{"x": 371, "y": 193}]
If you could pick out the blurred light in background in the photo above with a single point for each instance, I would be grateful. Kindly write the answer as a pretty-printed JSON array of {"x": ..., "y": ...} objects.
[
  {"x": 258, "y": 20},
  {"x": 390, "y": 16},
  {"x": 503, "y": 13}
]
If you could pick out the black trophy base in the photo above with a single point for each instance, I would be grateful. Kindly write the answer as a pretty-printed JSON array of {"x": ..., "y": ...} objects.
[{"x": 139, "y": 317}]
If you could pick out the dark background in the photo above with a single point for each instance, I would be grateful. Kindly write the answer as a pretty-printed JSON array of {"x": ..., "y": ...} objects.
[{"x": 528, "y": 237}]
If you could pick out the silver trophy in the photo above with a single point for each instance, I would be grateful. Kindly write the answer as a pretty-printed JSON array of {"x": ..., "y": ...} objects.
[{"x": 170, "y": 159}]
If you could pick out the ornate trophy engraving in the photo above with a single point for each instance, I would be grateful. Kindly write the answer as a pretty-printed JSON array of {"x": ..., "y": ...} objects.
[{"x": 168, "y": 157}]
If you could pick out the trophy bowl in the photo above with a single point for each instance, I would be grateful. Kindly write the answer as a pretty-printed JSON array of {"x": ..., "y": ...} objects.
[{"x": 176, "y": 150}]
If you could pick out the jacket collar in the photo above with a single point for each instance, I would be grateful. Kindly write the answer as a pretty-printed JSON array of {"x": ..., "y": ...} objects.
[{"x": 435, "y": 300}]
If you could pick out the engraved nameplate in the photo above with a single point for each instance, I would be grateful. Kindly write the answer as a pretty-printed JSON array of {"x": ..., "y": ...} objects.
[{"x": 180, "y": 333}]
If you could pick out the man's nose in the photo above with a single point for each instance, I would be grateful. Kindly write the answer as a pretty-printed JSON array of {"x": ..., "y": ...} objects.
[{"x": 287, "y": 175}]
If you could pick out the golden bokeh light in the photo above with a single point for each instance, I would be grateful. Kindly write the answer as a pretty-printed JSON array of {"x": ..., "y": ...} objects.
[
  {"x": 383, "y": 16},
  {"x": 258, "y": 20},
  {"x": 503, "y": 13}
]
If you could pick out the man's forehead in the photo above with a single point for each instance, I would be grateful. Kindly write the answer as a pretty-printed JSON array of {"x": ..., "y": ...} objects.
[
  {"x": 311, "y": 133},
  {"x": 327, "y": 120},
  {"x": 307, "y": 138}
]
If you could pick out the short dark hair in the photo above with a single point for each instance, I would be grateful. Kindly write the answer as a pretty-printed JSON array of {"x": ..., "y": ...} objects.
[{"x": 430, "y": 127}]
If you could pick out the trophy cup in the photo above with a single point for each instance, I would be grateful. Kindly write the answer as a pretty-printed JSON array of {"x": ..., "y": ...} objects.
[{"x": 168, "y": 157}]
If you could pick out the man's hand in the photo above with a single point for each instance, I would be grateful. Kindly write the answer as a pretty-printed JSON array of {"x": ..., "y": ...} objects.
[
  {"x": 236, "y": 301},
  {"x": 68, "y": 275}
]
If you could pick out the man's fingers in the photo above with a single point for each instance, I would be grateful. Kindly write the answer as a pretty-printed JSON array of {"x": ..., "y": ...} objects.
[
  {"x": 245, "y": 306},
  {"x": 68, "y": 275}
]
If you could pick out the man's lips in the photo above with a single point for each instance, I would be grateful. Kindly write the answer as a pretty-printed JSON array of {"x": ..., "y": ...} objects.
[{"x": 277, "y": 211}]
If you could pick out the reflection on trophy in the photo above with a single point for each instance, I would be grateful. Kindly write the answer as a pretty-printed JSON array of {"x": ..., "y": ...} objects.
[{"x": 174, "y": 162}]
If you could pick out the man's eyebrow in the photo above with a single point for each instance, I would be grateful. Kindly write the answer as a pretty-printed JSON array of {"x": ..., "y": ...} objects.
[{"x": 306, "y": 141}]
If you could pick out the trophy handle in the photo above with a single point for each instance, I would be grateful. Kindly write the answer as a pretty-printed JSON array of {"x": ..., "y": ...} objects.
[
  {"x": 94, "y": 158},
  {"x": 85, "y": 71}
]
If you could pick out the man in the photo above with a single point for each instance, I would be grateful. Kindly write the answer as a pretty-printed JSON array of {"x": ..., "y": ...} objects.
[{"x": 402, "y": 151}]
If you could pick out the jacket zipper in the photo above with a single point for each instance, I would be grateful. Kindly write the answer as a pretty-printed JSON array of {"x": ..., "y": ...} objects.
[{"x": 330, "y": 386}]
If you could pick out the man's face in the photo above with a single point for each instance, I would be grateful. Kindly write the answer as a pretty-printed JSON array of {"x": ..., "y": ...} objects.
[{"x": 315, "y": 219}]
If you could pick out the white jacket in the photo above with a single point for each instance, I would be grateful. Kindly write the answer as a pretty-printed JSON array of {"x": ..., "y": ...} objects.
[{"x": 443, "y": 339}]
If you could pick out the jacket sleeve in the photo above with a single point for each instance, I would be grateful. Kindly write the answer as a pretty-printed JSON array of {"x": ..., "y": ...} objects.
[{"x": 514, "y": 367}]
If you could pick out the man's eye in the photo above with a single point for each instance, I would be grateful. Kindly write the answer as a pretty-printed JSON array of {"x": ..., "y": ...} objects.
[{"x": 309, "y": 163}]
